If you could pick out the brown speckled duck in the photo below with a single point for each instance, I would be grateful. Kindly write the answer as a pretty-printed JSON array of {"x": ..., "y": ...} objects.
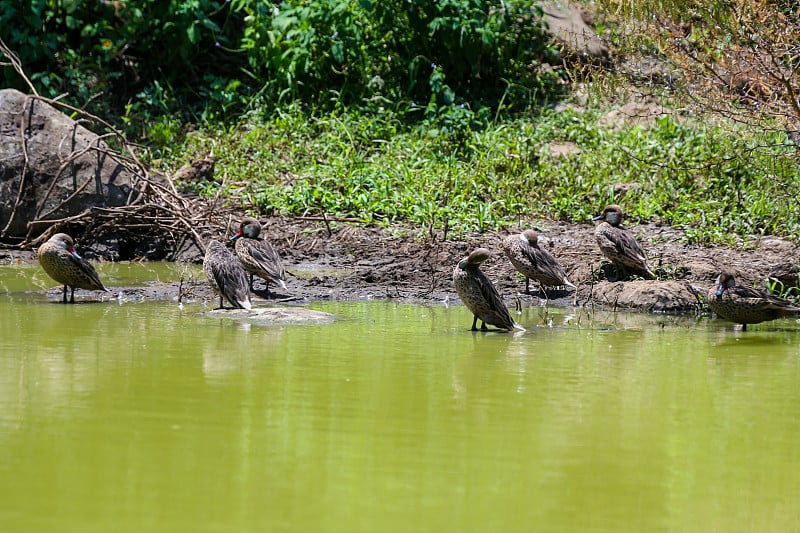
[
  {"x": 226, "y": 275},
  {"x": 257, "y": 255},
  {"x": 618, "y": 245},
  {"x": 534, "y": 262},
  {"x": 746, "y": 305},
  {"x": 479, "y": 294},
  {"x": 60, "y": 261}
]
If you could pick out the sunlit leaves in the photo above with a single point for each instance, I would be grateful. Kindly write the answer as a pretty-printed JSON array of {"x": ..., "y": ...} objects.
[{"x": 717, "y": 184}]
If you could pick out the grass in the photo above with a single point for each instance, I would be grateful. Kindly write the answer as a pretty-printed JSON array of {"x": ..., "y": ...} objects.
[{"x": 720, "y": 183}]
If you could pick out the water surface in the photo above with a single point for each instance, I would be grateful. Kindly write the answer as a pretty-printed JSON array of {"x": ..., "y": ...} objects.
[{"x": 148, "y": 416}]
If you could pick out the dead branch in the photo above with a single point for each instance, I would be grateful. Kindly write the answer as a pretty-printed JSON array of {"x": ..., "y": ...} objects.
[{"x": 154, "y": 207}]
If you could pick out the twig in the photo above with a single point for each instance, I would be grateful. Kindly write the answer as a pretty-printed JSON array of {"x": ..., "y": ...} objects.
[{"x": 23, "y": 124}]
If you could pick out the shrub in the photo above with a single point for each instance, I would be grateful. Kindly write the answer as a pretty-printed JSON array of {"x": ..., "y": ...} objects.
[
  {"x": 124, "y": 51},
  {"x": 449, "y": 60}
]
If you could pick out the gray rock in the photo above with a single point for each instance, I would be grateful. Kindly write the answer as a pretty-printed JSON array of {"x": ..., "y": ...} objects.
[
  {"x": 267, "y": 316},
  {"x": 68, "y": 170},
  {"x": 566, "y": 21},
  {"x": 647, "y": 295}
]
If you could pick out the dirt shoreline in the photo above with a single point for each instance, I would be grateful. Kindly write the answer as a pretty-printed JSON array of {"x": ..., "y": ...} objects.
[{"x": 350, "y": 262}]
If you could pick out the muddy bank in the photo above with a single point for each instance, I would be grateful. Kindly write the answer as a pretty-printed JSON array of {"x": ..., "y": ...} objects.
[{"x": 349, "y": 262}]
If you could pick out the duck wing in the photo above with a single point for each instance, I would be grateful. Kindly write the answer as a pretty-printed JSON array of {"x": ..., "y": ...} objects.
[
  {"x": 232, "y": 283},
  {"x": 627, "y": 245},
  {"x": 761, "y": 298},
  {"x": 492, "y": 297},
  {"x": 546, "y": 265},
  {"x": 265, "y": 258},
  {"x": 87, "y": 275}
]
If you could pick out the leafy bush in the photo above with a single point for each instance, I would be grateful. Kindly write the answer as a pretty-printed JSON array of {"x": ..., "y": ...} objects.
[
  {"x": 124, "y": 50},
  {"x": 716, "y": 184},
  {"x": 446, "y": 59},
  {"x": 398, "y": 51}
]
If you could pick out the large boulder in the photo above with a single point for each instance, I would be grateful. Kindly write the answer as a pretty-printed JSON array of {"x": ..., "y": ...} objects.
[
  {"x": 647, "y": 295},
  {"x": 51, "y": 167},
  {"x": 569, "y": 24}
]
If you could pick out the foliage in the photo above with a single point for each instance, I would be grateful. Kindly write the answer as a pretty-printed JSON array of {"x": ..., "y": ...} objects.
[
  {"x": 444, "y": 57},
  {"x": 738, "y": 58},
  {"x": 216, "y": 59},
  {"x": 149, "y": 55},
  {"x": 433, "y": 113},
  {"x": 716, "y": 184}
]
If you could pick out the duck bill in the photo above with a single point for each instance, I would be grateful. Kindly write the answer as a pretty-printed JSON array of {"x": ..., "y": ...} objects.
[
  {"x": 598, "y": 217},
  {"x": 720, "y": 290},
  {"x": 74, "y": 254},
  {"x": 237, "y": 235}
]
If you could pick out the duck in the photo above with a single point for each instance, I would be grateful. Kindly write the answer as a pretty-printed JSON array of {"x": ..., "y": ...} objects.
[
  {"x": 746, "y": 305},
  {"x": 534, "y": 262},
  {"x": 226, "y": 275},
  {"x": 618, "y": 245},
  {"x": 257, "y": 255},
  {"x": 479, "y": 294},
  {"x": 62, "y": 263}
]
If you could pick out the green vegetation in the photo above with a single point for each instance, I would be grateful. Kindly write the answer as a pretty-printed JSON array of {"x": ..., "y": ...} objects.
[
  {"x": 717, "y": 184},
  {"x": 439, "y": 115},
  {"x": 212, "y": 60}
]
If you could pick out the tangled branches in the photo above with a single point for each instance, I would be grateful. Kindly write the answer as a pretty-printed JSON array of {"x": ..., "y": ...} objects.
[{"x": 151, "y": 207}]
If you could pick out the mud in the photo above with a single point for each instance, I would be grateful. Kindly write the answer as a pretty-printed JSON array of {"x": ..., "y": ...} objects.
[{"x": 341, "y": 261}]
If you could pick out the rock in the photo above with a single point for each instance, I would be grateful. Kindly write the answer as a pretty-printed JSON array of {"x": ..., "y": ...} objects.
[
  {"x": 563, "y": 149},
  {"x": 270, "y": 316},
  {"x": 778, "y": 244},
  {"x": 192, "y": 174},
  {"x": 786, "y": 273},
  {"x": 647, "y": 295},
  {"x": 702, "y": 270},
  {"x": 69, "y": 169},
  {"x": 567, "y": 23},
  {"x": 651, "y": 70},
  {"x": 631, "y": 114}
]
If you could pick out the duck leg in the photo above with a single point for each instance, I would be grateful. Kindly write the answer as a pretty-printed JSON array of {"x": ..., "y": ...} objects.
[
  {"x": 622, "y": 272},
  {"x": 543, "y": 291},
  {"x": 474, "y": 322}
]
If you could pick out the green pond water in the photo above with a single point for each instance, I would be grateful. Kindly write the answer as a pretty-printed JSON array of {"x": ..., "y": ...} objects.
[{"x": 149, "y": 416}]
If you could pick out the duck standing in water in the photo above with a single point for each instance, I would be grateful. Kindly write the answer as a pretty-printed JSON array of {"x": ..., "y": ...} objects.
[
  {"x": 60, "y": 261},
  {"x": 257, "y": 255},
  {"x": 226, "y": 275},
  {"x": 479, "y": 294},
  {"x": 618, "y": 245},
  {"x": 534, "y": 262},
  {"x": 746, "y": 305}
]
